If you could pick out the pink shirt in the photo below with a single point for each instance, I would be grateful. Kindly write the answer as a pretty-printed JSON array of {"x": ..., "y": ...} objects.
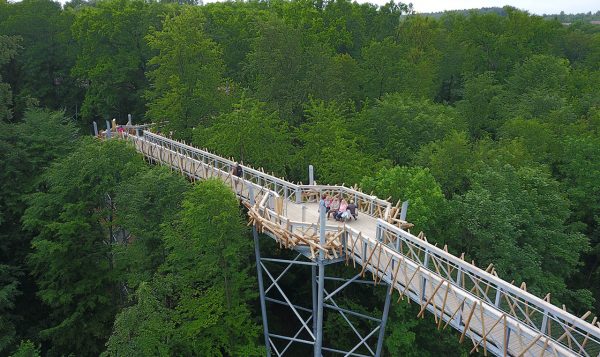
[{"x": 343, "y": 206}]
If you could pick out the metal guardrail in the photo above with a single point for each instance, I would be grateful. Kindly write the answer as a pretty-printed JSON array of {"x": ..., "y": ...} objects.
[
  {"x": 573, "y": 333},
  {"x": 368, "y": 204}
]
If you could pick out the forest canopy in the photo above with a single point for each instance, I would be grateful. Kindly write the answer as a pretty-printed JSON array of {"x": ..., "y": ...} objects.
[{"x": 487, "y": 122}]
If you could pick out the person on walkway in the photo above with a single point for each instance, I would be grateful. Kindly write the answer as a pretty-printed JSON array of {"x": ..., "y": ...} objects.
[
  {"x": 328, "y": 201},
  {"x": 333, "y": 208},
  {"x": 352, "y": 209},
  {"x": 341, "y": 210},
  {"x": 322, "y": 203},
  {"x": 237, "y": 170}
]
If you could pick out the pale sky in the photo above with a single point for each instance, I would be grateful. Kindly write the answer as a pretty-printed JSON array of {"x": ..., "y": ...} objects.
[{"x": 533, "y": 6}]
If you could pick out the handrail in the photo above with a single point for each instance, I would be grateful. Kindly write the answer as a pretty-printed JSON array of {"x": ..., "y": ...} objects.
[
  {"x": 553, "y": 312},
  {"x": 293, "y": 189}
]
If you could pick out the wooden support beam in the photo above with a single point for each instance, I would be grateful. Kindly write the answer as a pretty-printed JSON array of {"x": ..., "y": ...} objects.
[
  {"x": 443, "y": 308},
  {"x": 366, "y": 263},
  {"x": 468, "y": 322},
  {"x": 424, "y": 306}
]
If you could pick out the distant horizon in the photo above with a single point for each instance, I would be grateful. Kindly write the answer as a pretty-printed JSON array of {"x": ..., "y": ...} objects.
[{"x": 532, "y": 6}]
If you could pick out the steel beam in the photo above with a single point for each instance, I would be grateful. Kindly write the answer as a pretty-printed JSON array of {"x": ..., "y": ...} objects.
[
  {"x": 357, "y": 281},
  {"x": 291, "y": 306},
  {"x": 283, "y": 272},
  {"x": 386, "y": 310},
  {"x": 348, "y": 282},
  {"x": 352, "y": 326},
  {"x": 321, "y": 285},
  {"x": 363, "y": 341},
  {"x": 290, "y": 262},
  {"x": 350, "y": 312},
  {"x": 261, "y": 287},
  {"x": 295, "y": 336},
  {"x": 284, "y": 303},
  {"x": 261, "y": 290},
  {"x": 313, "y": 283}
]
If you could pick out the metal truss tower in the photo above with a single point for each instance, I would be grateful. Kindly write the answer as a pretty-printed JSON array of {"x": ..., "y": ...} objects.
[{"x": 309, "y": 319}]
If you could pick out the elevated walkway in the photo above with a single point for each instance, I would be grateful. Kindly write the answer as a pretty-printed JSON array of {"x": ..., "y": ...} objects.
[{"x": 496, "y": 316}]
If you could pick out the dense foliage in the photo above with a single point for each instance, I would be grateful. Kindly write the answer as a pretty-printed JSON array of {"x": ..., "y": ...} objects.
[{"x": 487, "y": 122}]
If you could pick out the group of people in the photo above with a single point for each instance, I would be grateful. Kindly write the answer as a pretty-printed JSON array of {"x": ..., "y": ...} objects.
[{"x": 339, "y": 208}]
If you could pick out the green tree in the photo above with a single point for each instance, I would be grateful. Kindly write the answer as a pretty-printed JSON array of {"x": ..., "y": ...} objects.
[
  {"x": 27, "y": 148},
  {"x": 335, "y": 151},
  {"x": 482, "y": 105},
  {"x": 145, "y": 328},
  {"x": 288, "y": 65},
  {"x": 113, "y": 55},
  {"x": 419, "y": 39},
  {"x": 492, "y": 42},
  {"x": 233, "y": 26},
  {"x": 449, "y": 161},
  {"x": 40, "y": 71},
  {"x": 382, "y": 69},
  {"x": 415, "y": 184},
  {"x": 187, "y": 84},
  {"x": 538, "y": 87},
  {"x": 9, "y": 292},
  {"x": 8, "y": 49},
  {"x": 251, "y": 133},
  {"x": 397, "y": 125},
  {"x": 208, "y": 263},
  {"x": 517, "y": 218},
  {"x": 579, "y": 172},
  {"x": 144, "y": 203},
  {"x": 539, "y": 138},
  {"x": 27, "y": 349},
  {"x": 72, "y": 261}
]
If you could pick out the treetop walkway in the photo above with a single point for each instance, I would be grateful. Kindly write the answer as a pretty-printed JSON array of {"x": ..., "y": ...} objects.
[{"x": 496, "y": 316}]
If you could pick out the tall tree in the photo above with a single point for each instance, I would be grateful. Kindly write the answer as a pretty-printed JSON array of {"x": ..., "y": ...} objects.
[
  {"x": 538, "y": 89},
  {"x": 415, "y": 185},
  {"x": 187, "y": 84},
  {"x": 9, "y": 46},
  {"x": 27, "y": 149},
  {"x": 287, "y": 66},
  {"x": 199, "y": 302},
  {"x": 208, "y": 261},
  {"x": 335, "y": 151},
  {"x": 144, "y": 203},
  {"x": 113, "y": 55},
  {"x": 482, "y": 105},
  {"x": 251, "y": 133},
  {"x": 523, "y": 212},
  {"x": 449, "y": 161},
  {"x": 145, "y": 328},
  {"x": 397, "y": 125},
  {"x": 40, "y": 72},
  {"x": 72, "y": 261},
  {"x": 579, "y": 171}
]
